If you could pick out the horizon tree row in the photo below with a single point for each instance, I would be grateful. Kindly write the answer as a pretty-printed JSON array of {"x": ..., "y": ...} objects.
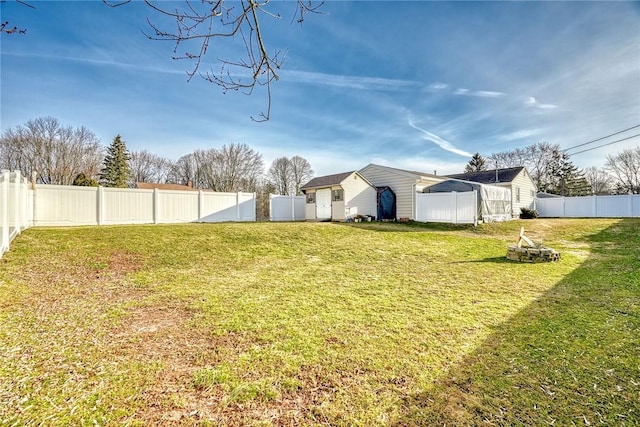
[{"x": 51, "y": 153}]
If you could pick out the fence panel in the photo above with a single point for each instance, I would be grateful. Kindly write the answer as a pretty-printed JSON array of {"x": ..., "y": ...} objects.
[
  {"x": 15, "y": 207},
  {"x": 223, "y": 207},
  {"x": 177, "y": 206},
  {"x": 127, "y": 206},
  {"x": 579, "y": 207},
  {"x": 453, "y": 207},
  {"x": 618, "y": 206},
  {"x": 286, "y": 208},
  {"x": 246, "y": 207},
  {"x": 60, "y": 205}
]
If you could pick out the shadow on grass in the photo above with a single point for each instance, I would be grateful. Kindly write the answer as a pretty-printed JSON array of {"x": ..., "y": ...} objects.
[
  {"x": 407, "y": 227},
  {"x": 569, "y": 358},
  {"x": 491, "y": 260}
]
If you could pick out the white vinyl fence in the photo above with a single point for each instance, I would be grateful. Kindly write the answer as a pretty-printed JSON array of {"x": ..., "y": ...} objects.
[
  {"x": 452, "y": 207},
  {"x": 621, "y": 206},
  {"x": 15, "y": 207},
  {"x": 70, "y": 205},
  {"x": 286, "y": 208}
]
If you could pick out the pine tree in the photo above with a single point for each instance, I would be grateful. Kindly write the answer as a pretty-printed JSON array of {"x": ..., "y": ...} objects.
[
  {"x": 566, "y": 178},
  {"x": 476, "y": 164},
  {"x": 116, "y": 170},
  {"x": 83, "y": 180}
]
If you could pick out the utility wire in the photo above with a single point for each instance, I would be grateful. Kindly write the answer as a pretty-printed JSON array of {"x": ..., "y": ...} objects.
[
  {"x": 604, "y": 145},
  {"x": 600, "y": 139}
]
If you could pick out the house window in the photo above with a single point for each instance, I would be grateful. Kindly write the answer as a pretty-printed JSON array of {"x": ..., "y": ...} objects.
[
  {"x": 517, "y": 194},
  {"x": 337, "y": 195},
  {"x": 311, "y": 197}
]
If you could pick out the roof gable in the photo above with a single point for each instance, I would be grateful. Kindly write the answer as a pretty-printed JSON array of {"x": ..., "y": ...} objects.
[
  {"x": 414, "y": 174},
  {"x": 489, "y": 176},
  {"x": 326, "y": 181}
]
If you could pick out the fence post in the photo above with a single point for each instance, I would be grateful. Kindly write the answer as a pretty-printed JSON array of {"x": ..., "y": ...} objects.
[
  {"x": 475, "y": 208},
  {"x": 595, "y": 206},
  {"x": 270, "y": 207},
  {"x": 4, "y": 214},
  {"x": 200, "y": 204},
  {"x": 99, "y": 204},
  {"x": 255, "y": 206},
  {"x": 156, "y": 204},
  {"x": 293, "y": 208},
  {"x": 238, "y": 206},
  {"x": 16, "y": 200},
  {"x": 630, "y": 204}
]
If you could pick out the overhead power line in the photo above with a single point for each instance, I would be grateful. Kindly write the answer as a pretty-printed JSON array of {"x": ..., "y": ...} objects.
[
  {"x": 604, "y": 145},
  {"x": 600, "y": 139}
]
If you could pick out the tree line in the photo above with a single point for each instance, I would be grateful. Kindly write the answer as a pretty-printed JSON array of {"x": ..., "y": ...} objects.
[
  {"x": 553, "y": 171},
  {"x": 53, "y": 153}
]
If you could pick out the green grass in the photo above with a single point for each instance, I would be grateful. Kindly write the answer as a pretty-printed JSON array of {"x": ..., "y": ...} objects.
[{"x": 320, "y": 324}]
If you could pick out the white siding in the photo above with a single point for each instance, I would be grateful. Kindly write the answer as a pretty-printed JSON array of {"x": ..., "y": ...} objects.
[
  {"x": 523, "y": 182},
  {"x": 402, "y": 183},
  {"x": 359, "y": 196}
]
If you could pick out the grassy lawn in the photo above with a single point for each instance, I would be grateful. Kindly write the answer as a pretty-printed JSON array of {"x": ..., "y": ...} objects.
[{"x": 320, "y": 324}]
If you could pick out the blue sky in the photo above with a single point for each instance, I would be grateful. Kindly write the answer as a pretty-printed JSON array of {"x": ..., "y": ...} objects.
[{"x": 415, "y": 85}]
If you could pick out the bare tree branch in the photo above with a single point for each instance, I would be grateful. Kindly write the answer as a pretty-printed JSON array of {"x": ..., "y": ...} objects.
[{"x": 198, "y": 22}]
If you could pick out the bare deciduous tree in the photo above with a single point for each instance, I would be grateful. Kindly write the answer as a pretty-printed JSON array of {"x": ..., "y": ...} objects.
[
  {"x": 302, "y": 173},
  {"x": 537, "y": 158},
  {"x": 197, "y": 24},
  {"x": 148, "y": 167},
  {"x": 601, "y": 182},
  {"x": 234, "y": 167},
  {"x": 288, "y": 175},
  {"x": 55, "y": 153},
  {"x": 280, "y": 175},
  {"x": 625, "y": 167},
  {"x": 185, "y": 171}
]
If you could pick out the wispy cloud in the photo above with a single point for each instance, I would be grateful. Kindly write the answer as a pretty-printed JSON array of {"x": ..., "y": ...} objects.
[
  {"x": 97, "y": 62},
  {"x": 354, "y": 82},
  {"x": 520, "y": 134},
  {"x": 479, "y": 93},
  {"x": 534, "y": 103},
  {"x": 488, "y": 94},
  {"x": 445, "y": 145},
  {"x": 438, "y": 86}
]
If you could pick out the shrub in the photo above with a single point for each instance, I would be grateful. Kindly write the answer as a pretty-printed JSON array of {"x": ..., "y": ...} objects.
[{"x": 526, "y": 213}]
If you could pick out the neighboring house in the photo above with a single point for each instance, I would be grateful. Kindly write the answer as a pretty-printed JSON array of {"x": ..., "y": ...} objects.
[
  {"x": 152, "y": 186},
  {"x": 340, "y": 196},
  {"x": 523, "y": 190},
  {"x": 404, "y": 184}
]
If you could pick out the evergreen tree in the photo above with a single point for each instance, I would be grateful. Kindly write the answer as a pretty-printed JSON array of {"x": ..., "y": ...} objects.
[
  {"x": 565, "y": 178},
  {"x": 83, "y": 180},
  {"x": 476, "y": 164},
  {"x": 116, "y": 170}
]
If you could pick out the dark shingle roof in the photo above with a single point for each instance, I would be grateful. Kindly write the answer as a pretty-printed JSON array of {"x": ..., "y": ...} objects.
[
  {"x": 326, "y": 181},
  {"x": 489, "y": 177}
]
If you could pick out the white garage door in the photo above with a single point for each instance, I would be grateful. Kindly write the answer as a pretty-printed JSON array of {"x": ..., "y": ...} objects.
[{"x": 323, "y": 204}]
